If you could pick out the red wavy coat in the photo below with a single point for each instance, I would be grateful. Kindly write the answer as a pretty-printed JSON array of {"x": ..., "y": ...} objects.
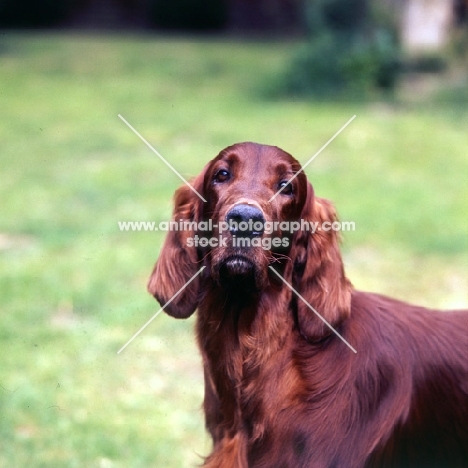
[{"x": 282, "y": 390}]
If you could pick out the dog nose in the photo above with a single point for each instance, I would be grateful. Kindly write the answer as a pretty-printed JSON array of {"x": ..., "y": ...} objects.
[{"x": 245, "y": 221}]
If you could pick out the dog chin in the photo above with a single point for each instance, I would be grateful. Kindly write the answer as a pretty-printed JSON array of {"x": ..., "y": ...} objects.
[{"x": 238, "y": 272}]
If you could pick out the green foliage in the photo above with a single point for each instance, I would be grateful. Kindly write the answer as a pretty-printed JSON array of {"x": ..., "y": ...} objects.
[
  {"x": 326, "y": 68},
  {"x": 352, "y": 51},
  {"x": 317, "y": 69},
  {"x": 343, "y": 17}
]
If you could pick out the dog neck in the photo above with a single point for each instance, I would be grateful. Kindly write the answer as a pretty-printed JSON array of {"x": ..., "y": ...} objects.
[{"x": 238, "y": 336}]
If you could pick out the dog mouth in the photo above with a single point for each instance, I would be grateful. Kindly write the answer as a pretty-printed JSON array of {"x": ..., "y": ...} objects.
[
  {"x": 239, "y": 274},
  {"x": 237, "y": 266}
]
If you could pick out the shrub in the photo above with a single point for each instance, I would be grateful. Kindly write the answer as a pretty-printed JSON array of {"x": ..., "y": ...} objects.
[{"x": 352, "y": 51}]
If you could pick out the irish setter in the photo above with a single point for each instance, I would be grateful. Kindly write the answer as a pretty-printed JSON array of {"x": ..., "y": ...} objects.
[{"x": 282, "y": 388}]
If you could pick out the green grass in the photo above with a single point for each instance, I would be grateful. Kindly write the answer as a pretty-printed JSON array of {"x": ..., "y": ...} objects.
[{"x": 73, "y": 286}]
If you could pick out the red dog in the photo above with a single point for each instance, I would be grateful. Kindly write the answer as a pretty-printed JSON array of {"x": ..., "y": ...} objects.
[{"x": 282, "y": 390}]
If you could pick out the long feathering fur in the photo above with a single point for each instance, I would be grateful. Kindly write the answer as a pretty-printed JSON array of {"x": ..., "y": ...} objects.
[
  {"x": 318, "y": 273},
  {"x": 177, "y": 262}
]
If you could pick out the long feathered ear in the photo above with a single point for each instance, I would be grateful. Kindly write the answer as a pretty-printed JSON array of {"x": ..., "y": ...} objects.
[
  {"x": 179, "y": 259},
  {"x": 318, "y": 273}
]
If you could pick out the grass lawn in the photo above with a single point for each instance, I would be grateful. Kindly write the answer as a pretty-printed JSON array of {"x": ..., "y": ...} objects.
[{"x": 72, "y": 285}]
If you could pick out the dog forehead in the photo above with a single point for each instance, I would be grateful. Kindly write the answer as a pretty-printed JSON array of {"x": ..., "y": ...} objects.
[{"x": 257, "y": 156}]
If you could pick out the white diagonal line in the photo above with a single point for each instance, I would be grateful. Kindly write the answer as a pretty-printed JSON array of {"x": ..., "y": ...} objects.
[
  {"x": 313, "y": 157},
  {"x": 161, "y": 158},
  {"x": 160, "y": 310},
  {"x": 313, "y": 310}
]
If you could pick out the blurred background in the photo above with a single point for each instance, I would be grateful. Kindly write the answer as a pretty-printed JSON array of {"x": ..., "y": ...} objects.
[{"x": 192, "y": 77}]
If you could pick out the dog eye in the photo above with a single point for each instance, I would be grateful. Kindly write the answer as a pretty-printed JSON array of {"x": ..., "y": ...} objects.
[
  {"x": 221, "y": 176},
  {"x": 285, "y": 187}
]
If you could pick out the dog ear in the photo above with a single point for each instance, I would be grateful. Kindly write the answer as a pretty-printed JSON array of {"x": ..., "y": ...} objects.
[
  {"x": 179, "y": 260},
  {"x": 318, "y": 273}
]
